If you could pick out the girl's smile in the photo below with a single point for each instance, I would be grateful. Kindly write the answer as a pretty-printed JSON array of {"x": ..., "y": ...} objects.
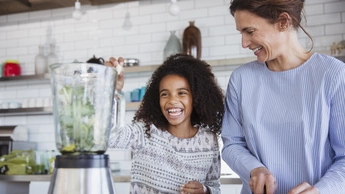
[{"x": 176, "y": 103}]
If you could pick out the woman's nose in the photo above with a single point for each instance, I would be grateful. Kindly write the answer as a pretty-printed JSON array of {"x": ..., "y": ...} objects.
[{"x": 245, "y": 41}]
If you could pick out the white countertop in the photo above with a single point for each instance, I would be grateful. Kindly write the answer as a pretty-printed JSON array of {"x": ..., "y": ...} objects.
[{"x": 121, "y": 176}]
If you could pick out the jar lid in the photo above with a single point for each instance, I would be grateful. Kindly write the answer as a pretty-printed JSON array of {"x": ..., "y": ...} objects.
[{"x": 12, "y": 61}]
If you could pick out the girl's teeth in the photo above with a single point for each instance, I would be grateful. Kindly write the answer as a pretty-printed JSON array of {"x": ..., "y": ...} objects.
[{"x": 175, "y": 112}]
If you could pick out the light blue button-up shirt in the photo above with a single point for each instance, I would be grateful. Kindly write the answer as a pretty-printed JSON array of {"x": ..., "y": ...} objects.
[{"x": 292, "y": 122}]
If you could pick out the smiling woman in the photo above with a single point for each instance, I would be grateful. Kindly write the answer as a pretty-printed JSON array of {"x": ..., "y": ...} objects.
[
  {"x": 284, "y": 111},
  {"x": 174, "y": 134}
]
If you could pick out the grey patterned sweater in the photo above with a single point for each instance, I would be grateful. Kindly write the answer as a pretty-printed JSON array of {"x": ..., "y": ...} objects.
[{"x": 163, "y": 163}]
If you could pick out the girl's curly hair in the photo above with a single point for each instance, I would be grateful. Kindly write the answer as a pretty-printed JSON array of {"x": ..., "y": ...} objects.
[{"x": 208, "y": 97}]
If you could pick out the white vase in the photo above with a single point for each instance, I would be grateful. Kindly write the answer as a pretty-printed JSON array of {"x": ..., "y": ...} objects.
[{"x": 40, "y": 62}]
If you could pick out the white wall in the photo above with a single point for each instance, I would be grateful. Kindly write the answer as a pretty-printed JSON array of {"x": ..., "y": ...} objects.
[{"x": 100, "y": 32}]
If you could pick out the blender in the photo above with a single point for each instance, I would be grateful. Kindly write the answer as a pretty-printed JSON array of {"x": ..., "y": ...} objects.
[{"x": 85, "y": 107}]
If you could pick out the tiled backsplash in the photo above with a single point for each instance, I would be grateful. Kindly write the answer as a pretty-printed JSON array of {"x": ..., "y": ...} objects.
[{"x": 100, "y": 33}]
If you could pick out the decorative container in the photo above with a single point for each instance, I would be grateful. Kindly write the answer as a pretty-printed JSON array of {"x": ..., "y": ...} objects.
[
  {"x": 173, "y": 46},
  {"x": 192, "y": 41}
]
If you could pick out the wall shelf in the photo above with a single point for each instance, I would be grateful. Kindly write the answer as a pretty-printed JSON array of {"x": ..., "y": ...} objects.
[
  {"x": 130, "y": 106},
  {"x": 132, "y": 71},
  {"x": 26, "y": 111}
]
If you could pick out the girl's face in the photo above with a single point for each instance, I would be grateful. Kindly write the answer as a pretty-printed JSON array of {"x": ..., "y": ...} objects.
[
  {"x": 175, "y": 99},
  {"x": 260, "y": 36}
]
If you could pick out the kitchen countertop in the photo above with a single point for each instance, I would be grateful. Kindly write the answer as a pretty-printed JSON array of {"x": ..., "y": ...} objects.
[{"x": 121, "y": 176}]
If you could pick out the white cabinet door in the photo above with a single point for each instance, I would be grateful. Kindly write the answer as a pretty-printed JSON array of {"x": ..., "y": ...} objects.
[
  {"x": 38, "y": 187},
  {"x": 121, "y": 188},
  {"x": 14, "y": 187},
  {"x": 230, "y": 189}
]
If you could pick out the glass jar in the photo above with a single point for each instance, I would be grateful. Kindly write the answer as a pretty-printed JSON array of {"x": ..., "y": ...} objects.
[
  {"x": 83, "y": 97},
  {"x": 40, "y": 62},
  {"x": 52, "y": 57}
]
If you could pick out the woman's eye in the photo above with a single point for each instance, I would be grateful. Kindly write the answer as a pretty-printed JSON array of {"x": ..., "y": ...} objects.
[{"x": 250, "y": 32}]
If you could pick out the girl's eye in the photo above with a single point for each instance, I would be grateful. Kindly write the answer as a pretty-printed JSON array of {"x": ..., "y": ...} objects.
[
  {"x": 182, "y": 93},
  {"x": 163, "y": 94}
]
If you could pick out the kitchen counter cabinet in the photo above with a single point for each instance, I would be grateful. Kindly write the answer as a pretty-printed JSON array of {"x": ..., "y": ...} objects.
[
  {"x": 38, "y": 187},
  {"x": 123, "y": 188}
]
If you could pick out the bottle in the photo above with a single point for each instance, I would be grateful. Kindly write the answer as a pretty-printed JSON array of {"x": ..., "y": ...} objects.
[
  {"x": 173, "y": 46},
  {"x": 192, "y": 41},
  {"x": 52, "y": 57},
  {"x": 52, "y": 161},
  {"x": 40, "y": 62}
]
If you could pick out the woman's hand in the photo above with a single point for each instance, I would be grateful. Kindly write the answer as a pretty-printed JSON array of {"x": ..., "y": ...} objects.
[
  {"x": 120, "y": 77},
  {"x": 304, "y": 188},
  {"x": 262, "y": 181},
  {"x": 193, "y": 187}
]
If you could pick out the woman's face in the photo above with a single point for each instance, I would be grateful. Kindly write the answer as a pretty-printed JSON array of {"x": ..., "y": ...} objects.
[
  {"x": 175, "y": 99},
  {"x": 260, "y": 36}
]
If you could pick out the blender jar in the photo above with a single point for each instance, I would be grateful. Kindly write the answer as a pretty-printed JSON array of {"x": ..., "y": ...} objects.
[{"x": 83, "y": 99}]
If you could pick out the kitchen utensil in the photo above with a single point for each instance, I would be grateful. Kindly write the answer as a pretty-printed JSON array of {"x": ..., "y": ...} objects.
[
  {"x": 128, "y": 62},
  {"x": 11, "y": 68},
  {"x": 14, "y": 105},
  {"x": 39, "y": 102},
  {"x": 135, "y": 95},
  {"x": 32, "y": 103},
  {"x": 1, "y": 70},
  {"x": 96, "y": 60},
  {"x": 83, "y": 99}
]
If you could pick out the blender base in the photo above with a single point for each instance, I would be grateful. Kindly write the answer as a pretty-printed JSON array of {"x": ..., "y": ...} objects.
[{"x": 81, "y": 174}]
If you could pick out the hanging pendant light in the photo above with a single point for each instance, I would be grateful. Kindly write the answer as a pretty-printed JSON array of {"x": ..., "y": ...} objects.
[
  {"x": 77, "y": 14},
  {"x": 174, "y": 9}
]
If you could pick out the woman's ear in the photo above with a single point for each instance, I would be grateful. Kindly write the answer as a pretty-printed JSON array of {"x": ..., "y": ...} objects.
[{"x": 284, "y": 21}]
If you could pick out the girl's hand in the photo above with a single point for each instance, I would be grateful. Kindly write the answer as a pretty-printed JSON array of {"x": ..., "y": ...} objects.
[
  {"x": 118, "y": 64},
  {"x": 193, "y": 187}
]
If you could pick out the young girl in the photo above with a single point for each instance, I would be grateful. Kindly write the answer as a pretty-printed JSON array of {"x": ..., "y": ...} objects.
[{"x": 174, "y": 133}]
